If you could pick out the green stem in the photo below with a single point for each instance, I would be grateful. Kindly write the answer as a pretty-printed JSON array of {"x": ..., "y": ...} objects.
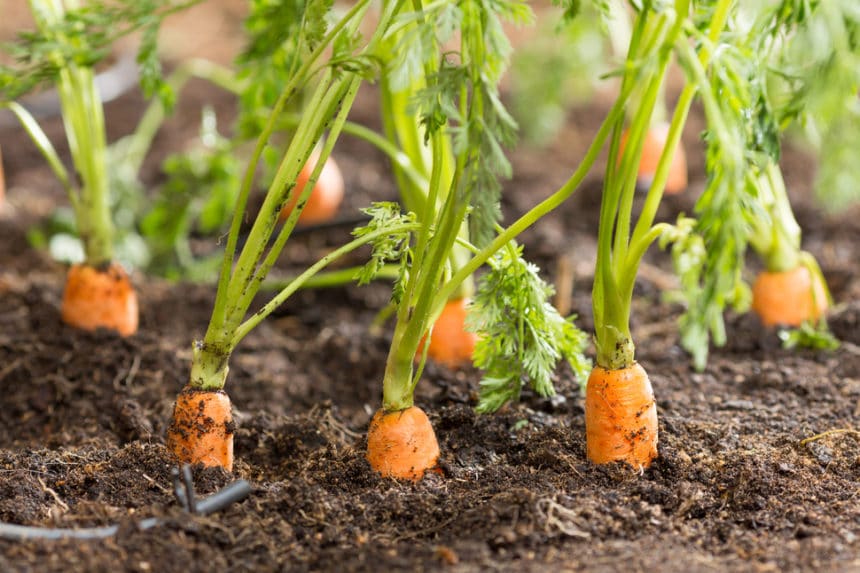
[
  {"x": 545, "y": 206},
  {"x": 332, "y": 279},
  {"x": 298, "y": 79},
  {"x": 299, "y": 281},
  {"x": 83, "y": 118},
  {"x": 45, "y": 147}
]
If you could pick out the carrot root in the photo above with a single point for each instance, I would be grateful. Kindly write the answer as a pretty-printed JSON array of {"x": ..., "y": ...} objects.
[
  {"x": 652, "y": 149},
  {"x": 451, "y": 344},
  {"x": 202, "y": 428},
  {"x": 620, "y": 417},
  {"x": 326, "y": 197},
  {"x": 402, "y": 444},
  {"x": 100, "y": 298},
  {"x": 788, "y": 298}
]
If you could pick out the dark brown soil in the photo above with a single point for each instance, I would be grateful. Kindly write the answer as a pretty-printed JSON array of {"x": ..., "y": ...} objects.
[{"x": 748, "y": 479}]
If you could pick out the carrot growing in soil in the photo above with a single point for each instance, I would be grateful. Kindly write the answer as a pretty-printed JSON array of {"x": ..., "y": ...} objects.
[
  {"x": 791, "y": 290},
  {"x": 745, "y": 200},
  {"x": 202, "y": 429},
  {"x": 447, "y": 340},
  {"x": 68, "y": 40},
  {"x": 620, "y": 409},
  {"x": 521, "y": 337}
]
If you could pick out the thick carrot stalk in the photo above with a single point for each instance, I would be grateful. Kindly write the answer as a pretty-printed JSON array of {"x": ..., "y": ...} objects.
[
  {"x": 620, "y": 416},
  {"x": 326, "y": 196},
  {"x": 652, "y": 149},
  {"x": 450, "y": 343},
  {"x": 202, "y": 428},
  {"x": 789, "y": 298},
  {"x": 100, "y": 297},
  {"x": 402, "y": 444}
]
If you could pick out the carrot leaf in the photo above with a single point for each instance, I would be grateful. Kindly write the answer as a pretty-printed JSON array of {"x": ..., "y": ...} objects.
[
  {"x": 394, "y": 247},
  {"x": 812, "y": 335},
  {"x": 521, "y": 335}
]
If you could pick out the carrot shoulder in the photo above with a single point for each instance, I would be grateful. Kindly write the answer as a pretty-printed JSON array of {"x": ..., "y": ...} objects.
[
  {"x": 620, "y": 416},
  {"x": 451, "y": 344},
  {"x": 100, "y": 298},
  {"x": 788, "y": 298},
  {"x": 326, "y": 197},
  {"x": 202, "y": 428},
  {"x": 402, "y": 444}
]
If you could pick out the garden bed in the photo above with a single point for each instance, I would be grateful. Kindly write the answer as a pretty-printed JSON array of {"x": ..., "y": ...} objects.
[{"x": 747, "y": 479}]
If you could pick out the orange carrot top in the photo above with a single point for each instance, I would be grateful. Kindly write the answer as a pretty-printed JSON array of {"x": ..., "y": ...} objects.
[
  {"x": 620, "y": 417},
  {"x": 652, "y": 150},
  {"x": 402, "y": 444},
  {"x": 451, "y": 343},
  {"x": 202, "y": 429},
  {"x": 97, "y": 297},
  {"x": 324, "y": 199}
]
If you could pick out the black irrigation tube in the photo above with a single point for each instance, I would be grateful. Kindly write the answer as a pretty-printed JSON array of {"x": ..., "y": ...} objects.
[{"x": 232, "y": 493}]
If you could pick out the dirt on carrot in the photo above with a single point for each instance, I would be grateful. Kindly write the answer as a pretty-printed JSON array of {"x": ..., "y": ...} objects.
[
  {"x": 202, "y": 428},
  {"x": 621, "y": 416}
]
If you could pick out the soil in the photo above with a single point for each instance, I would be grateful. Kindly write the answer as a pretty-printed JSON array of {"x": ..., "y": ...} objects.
[{"x": 748, "y": 477}]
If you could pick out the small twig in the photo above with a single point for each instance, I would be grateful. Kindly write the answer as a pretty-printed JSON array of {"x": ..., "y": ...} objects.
[
  {"x": 817, "y": 437},
  {"x": 564, "y": 284},
  {"x": 54, "y": 494},
  {"x": 155, "y": 484}
]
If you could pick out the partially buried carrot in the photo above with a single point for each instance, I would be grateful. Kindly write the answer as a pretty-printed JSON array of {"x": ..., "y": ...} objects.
[
  {"x": 326, "y": 197},
  {"x": 652, "y": 149},
  {"x": 402, "y": 444},
  {"x": 202, "y": 428},
  {"x": 620, "y": 416},
  {"x": 789, "y": 298},
  {"x": 450, "y": 343},
  {"x": 100, "y": 297}
]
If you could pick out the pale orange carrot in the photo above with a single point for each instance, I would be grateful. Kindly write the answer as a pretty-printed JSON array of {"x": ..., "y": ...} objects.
[
  {"x": 620, "y": 416},
  {"x": 202, "y": 428},
  {"x": 789, "y": 298},
  {"x": 652, "y": 149},
  {"x": 451, "y": 344},
  {"x": 326, "y": 197},
  {"x": 402, "y": 444},
  {"x": 100, "y": 298}
]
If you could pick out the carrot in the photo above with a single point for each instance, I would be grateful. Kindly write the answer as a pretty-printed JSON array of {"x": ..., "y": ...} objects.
[
  {"x": 620, "y": 416},
  {"x": 652, "y": 149},
  {"x": 451, "y": 344},
  {"x": 402, "y": 444},
  {"x": 100, "y": 297},
  {"x": 202, "y": 428},
  {"x": 326, "y": 196},
  {"x": 789, "y": 298}
]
